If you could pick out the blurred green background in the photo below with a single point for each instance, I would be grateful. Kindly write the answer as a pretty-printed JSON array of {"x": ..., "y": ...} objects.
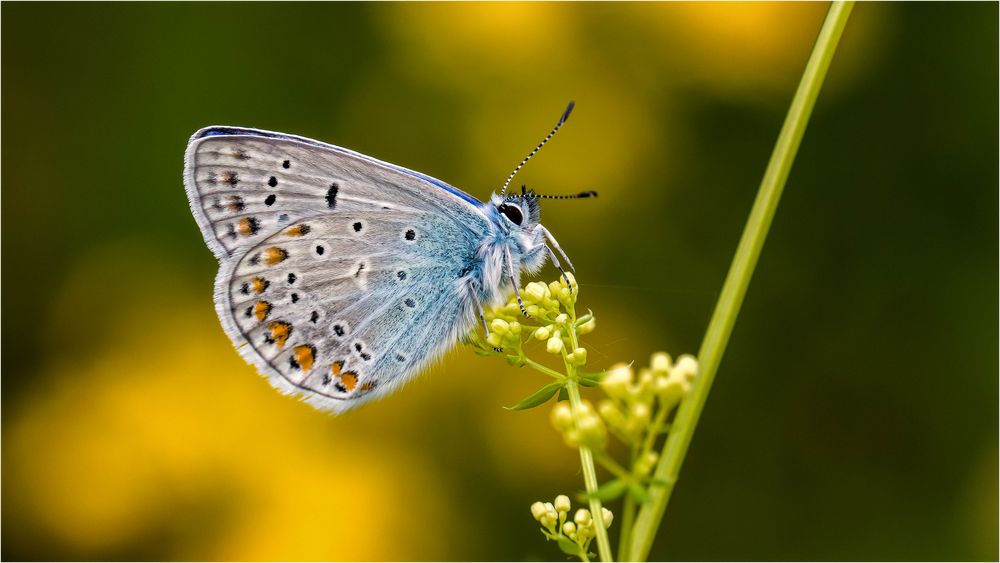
[{"x": 854, "y": 415}]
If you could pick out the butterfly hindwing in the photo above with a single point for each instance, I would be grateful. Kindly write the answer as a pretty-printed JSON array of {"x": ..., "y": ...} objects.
[{"x": 339, "y": 275}]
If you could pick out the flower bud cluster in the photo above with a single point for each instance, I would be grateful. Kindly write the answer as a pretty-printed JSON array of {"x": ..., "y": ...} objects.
[
  {"x": 580, "y": 426},
  {"x": 554, "y": 517},
  {"x": 504, "y": 333},
  {"x": 634, "y": 399},
  {"x": 554, "y": 306}
]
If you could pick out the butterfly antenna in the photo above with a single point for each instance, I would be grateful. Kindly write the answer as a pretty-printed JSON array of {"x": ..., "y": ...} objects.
[
  {"x": 562, "y": 120},
  {"x": 532, "y": 195}
]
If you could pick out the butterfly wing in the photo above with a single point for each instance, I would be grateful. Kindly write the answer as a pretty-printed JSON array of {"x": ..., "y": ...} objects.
[{"x": 341, "y": 276}]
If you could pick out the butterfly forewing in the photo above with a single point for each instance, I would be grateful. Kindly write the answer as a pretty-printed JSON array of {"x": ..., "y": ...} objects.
[{"x": 340, "y": 272}]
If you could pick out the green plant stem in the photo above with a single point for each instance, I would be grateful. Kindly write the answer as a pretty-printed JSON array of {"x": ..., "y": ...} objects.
[
  {"x": 734, "y": 288},
  {"x": 549, "y": 372},
  {"x": 628, "y": 517},
  {"x": 590, "y": 480}
]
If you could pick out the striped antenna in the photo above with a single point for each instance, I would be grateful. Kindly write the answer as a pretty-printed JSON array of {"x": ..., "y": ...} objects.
[
  {"x": 562, "y": 120},
  {"x": 532, "y": 195}
]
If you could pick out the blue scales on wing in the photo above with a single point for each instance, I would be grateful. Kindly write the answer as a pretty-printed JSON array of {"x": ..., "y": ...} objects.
[{"x": 340, "y": 274}]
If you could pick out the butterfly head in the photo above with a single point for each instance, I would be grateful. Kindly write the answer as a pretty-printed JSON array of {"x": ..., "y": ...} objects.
[{"x": 520, "y": 212}]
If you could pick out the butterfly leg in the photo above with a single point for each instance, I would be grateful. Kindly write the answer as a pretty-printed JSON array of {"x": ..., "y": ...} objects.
[
  {"x": 555, "y": 262},
  {"x": 482, "y": 317},
  {"x": 513, "y": 281},
  {"x": 555, "y": 244}
]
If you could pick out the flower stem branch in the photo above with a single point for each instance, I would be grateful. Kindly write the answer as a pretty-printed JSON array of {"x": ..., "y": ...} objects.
[
  {"x": 717, "y": 335},
  {"x": 590, "y": 480}
]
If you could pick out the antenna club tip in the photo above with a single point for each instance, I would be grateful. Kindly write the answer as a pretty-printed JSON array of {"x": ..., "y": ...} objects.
[
  {"x": 569, "y": 109},
  {"x": 590, "y": 193}
]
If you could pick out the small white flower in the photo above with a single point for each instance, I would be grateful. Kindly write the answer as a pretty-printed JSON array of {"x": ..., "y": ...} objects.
[
  {"x": 493, "y": 339},
  {"x": 554, "y": 345},
  {"x": 607, "y": 516},
  {"x": 562, "y": 503},
  {"x": 687, "y": 367},
  {"x": 536, "y": 291},
  {"x": 542, "y": 333},
  {"x": 500, "y": 326},
  {"x": 660, "y": 362},
  {"x": 617, "y": 381},
  {"x": 538, "y": 510},
  {"x": 562, "y": 416}
]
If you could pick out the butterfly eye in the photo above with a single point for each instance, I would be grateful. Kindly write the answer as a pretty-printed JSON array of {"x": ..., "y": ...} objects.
[{"x": 511, "y": 212}]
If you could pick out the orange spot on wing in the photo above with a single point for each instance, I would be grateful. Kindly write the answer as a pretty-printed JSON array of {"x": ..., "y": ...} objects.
[
  {"x": 279, "y": 332},
  {"x": 336, "y": 367},
  {"x": 297, "y": 230},
  {"x": 304, "y": 356},
  {"x": 274, "y": 255},
  {"x": 366, "y": 387},
  {"x": 246, "y": 227},
  {"x": 349, "y": 379},
  {"x": 261, "y": 309},
  {"x": 259, "y": 285}
]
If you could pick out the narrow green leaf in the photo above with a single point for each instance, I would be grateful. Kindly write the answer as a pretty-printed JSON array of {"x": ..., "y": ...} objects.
[
  {"x": 638, "y": 493},
  {"x": 611, "y": 490},
  {"x": 568, "y": 546},
  {"x": 538, "y": 397},
  {"x": 563, "y": 395}
]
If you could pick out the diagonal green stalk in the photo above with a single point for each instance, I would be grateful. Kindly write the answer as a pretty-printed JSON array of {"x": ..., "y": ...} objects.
[
  {"x": 586, "y": 456},
  {"x": 740, "y": 271}
]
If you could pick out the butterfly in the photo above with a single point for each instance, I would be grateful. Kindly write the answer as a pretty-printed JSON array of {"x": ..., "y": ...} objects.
[{"x": 342, "y": 276}]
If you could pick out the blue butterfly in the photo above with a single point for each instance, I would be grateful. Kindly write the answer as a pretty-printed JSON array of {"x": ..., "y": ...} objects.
[{"x": 342, "y": 276}]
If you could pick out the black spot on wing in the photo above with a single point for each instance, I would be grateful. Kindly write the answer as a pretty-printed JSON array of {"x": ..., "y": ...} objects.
[{"x": 331, "y": 196}]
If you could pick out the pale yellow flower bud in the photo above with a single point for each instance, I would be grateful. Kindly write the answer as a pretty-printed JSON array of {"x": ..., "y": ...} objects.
[
  {"x": 500, "y": 326},
  {"x": 554, "y": 345},
  {"x": 671, "y": 389},
  {"x": 515, "y": 328},
  {"x": 638, "y": 417},
  {"x": 687, "y": 367},
  {"x": 562, "y": 416},
  {"x": 644, "y": 382},
  {"x": 611, "y": 413},
  {"x": 493, "y": 339},
  {"x": 660, "y": 363},
  {"x": 542, "y": 333},
  {"x": 645, "y": 464},
  {"x": 582, "y": 517},
  {"x": 617, "y": 380},
  {"x": 591, "y": 431},
  {"x": 562, "y": 503},
  {"x": 580, "y": 356},
  {"x": 572, "y": 281},
  {"x": 561, "y": 318},
  {"x": 607, "y": 516},
  {"x": 535, "y": 291},
  {"x": 554, "y": 288},
  {"x": 548, "y": 520},
  {"x": 587, "y": 327},
  {"x": 538, "y": 510},
  {"x": 569, "y": 528}
]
